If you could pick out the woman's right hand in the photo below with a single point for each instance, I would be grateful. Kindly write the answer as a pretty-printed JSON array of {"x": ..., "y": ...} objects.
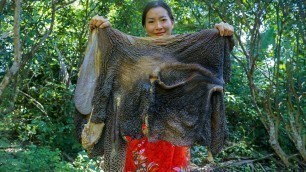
[
  {"x": 225, "y": 29},
  {"x": 98, "y": 22}
]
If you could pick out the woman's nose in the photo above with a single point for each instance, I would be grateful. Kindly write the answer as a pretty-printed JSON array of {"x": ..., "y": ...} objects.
[{"x": 158, "y": 25}]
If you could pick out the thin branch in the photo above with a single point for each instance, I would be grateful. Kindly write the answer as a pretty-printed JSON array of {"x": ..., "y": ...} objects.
[
  {"x": 64, "y": 4},
  {"x": 2, "y": 4},
  {"x": 6, "y": 35},
  {"x": 194, "y": 14},
  {"x": 46, "y": 35},
  {"x": 84, "y": 29},
  {"x": 68, "y": 157},
  {"x": 63, "y": 68},
  {"x": 236, "y": 35},
  {"x": 263, "y": 169},
  {"x": 243, "y": 15},
  {"x": 240, "y": 61},
  {"x": 9, "y": 147},
  {"x": 257, "y": 35},
  {"x": 242, "y": 162},
  {"x": 241, "y": 45},
  {"x": 36, "y": 103},
  {"x": 267, "y": 77}
]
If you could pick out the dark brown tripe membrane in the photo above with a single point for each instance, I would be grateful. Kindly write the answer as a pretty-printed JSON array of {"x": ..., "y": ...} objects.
[{"x": 176, "y": 89}]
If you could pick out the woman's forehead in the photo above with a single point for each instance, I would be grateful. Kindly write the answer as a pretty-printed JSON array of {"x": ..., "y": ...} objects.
[{"x": 157, "y": 12}]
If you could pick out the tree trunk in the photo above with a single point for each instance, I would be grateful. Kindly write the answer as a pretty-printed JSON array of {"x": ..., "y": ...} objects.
[
  {"x": 295, "y": 113},
  {"x": 17, "y": 49},
  {"x": 274, "y": 142},
  {"x": 268, "y": 123},
  {"x": 19, "y": 60}
]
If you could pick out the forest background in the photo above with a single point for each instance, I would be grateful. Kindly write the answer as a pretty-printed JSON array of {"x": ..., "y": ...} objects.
[{"x": 42, "y": 45}]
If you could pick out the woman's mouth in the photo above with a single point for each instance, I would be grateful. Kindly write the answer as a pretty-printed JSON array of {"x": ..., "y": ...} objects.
[{"x": 160, "y": 33}]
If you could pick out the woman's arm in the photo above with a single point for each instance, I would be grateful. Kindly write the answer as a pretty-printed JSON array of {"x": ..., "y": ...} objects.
[
  {"x": 98, "y": 22},
  {"x": 225, "y": 29}
]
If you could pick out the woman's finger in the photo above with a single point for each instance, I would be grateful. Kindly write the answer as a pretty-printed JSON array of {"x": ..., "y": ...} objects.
[
  {"x": 98, "y": 22},
  {"x": 105, "y": 24},
  {"x": 220, "y": 28},
  {"x": 226, "y": 29},
  {"x": 229, "y": 30}
]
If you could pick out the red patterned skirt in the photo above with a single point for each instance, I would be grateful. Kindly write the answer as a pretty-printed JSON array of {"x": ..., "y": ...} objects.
[{"x": 160, "y": 156}]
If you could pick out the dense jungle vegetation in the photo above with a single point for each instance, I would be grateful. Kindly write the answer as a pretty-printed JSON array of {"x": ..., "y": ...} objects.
[{"x": 42, "y": 44}]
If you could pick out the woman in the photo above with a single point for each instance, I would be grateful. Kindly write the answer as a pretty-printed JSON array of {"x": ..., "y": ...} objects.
[{"x": 158, "y": 21}]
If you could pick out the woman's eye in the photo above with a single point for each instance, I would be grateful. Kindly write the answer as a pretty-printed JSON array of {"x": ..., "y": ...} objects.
[
  {"x": 164, "y": 20},
  {"x": 150, "y": 21}
]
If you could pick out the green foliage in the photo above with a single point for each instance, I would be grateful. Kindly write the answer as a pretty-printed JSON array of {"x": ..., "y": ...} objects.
[
  {"x": 198, "y": 154},
  {"x": 31, "y": 158},
  {"x": 84, "y": 163},
  {"x": 33, "y": 124}
]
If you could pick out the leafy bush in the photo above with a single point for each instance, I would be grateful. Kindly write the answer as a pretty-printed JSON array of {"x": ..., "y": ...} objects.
[
  {"x": 38, "y": 158},
  {"x": 198, "y": 154},
  {"x": 31, "y": 158},
  {"x": 84, "y": 163}
]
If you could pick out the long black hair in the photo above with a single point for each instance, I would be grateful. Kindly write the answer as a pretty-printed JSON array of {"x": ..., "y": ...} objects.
[{"x": 154, "y": 4}]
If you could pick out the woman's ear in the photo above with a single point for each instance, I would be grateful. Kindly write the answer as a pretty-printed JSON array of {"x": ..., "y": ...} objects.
[{"x": 172, "y": 27}]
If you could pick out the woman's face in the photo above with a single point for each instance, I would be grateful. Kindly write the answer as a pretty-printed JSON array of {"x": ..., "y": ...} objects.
[{"x": 158, "y": 22}]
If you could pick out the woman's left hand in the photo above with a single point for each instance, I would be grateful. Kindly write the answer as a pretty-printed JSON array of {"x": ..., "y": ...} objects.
[{"x": 225, "y": 29}]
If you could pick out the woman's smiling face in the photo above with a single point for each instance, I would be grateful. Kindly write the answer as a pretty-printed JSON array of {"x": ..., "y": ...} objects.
[{"x": 158, "y": 22}]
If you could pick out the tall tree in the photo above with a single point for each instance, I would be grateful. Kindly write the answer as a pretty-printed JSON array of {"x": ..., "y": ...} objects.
[{"x": 266, "y": 28}]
